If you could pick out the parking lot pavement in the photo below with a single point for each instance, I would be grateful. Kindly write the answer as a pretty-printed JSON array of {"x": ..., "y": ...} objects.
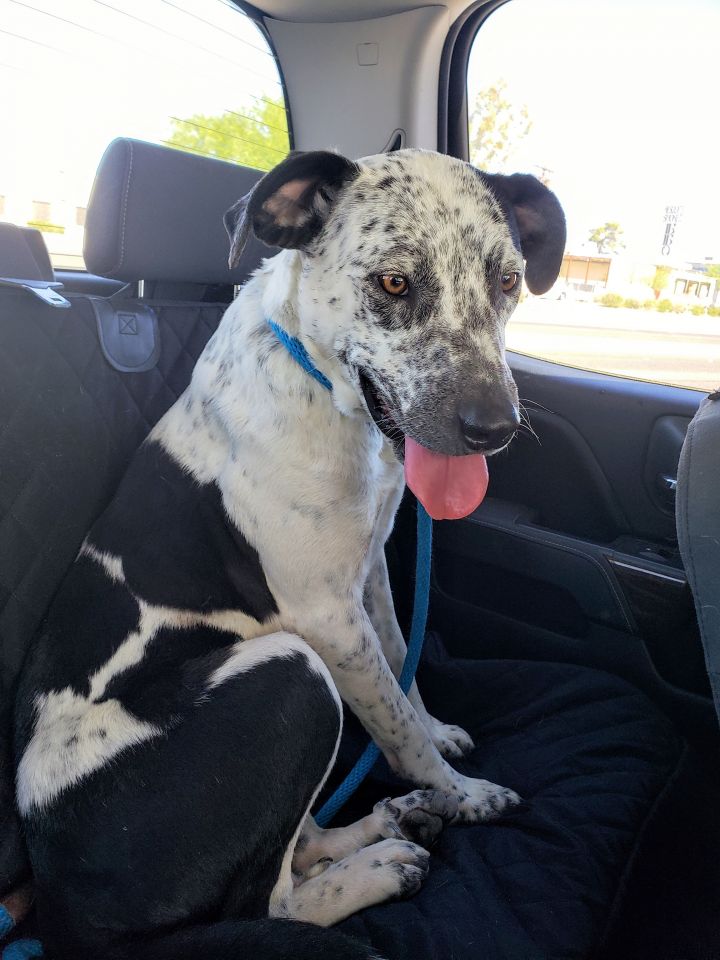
[{"x": 643, "y": 344}]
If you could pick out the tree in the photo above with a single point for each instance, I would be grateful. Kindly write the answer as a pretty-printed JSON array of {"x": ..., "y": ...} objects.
[
  {"x": 256, "y": 135},
  {"x": 608, "y": 237},
  {"x": 661, "y": 279},
  {"x": 496, "y": 126}
]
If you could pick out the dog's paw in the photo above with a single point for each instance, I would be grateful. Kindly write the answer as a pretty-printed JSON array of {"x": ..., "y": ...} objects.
[
  {"x": 480, "y": 801},
  {"x": 383, "y": 871},
  {"x": 397, "y": 867},
  {"x": 418, "y": 816},
  {"x": 452, "y": 742}
]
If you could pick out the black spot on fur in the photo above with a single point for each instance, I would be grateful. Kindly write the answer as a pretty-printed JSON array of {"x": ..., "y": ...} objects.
[{"x": 161, "y": 512}]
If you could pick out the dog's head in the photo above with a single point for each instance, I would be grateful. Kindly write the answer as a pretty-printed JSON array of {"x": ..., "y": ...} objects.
[{"x": 412, "y": 265}]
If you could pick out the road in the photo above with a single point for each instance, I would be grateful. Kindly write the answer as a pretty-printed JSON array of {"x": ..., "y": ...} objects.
[{"x": 643, "y": 344}]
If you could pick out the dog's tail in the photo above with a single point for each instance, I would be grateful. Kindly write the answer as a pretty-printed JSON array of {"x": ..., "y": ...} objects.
[{"x": 250, "y": 940}]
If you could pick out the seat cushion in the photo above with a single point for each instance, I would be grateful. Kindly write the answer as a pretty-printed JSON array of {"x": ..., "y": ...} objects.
[{"x": 590, "y": 755}]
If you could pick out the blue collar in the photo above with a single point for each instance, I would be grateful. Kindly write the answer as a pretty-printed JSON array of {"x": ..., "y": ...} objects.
[{"x": 298, "y": 352}]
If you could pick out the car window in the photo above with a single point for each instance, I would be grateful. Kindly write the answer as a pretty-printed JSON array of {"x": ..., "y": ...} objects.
[
  {"x": 621, "y": 128},
  {"x": 193, "y": 74}
]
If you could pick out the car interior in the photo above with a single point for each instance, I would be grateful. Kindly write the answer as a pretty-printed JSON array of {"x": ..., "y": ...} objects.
[{"x": 571, "y": 631}]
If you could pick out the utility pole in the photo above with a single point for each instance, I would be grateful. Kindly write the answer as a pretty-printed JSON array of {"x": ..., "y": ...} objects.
[{"x": 544, "y": 174}]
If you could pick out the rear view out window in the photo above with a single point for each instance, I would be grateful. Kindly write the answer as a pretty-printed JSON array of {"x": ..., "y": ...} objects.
[
  {"x": 192, "y": 74},
  {"x": 611, "y": 105}
]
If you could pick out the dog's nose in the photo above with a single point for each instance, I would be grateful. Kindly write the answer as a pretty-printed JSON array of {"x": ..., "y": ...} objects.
[{"x": 487, "y": 425}]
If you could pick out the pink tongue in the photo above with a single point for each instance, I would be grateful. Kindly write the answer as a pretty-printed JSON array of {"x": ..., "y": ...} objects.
[{"x": 448, "y": 487}]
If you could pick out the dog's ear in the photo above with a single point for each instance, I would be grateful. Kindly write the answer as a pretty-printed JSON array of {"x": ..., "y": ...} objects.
[
  {"x": 289, "y": 206},
  {"x": 539, "y": 220}
]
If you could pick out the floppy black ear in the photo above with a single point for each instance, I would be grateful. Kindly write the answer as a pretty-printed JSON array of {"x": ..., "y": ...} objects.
[
  {"x": 536, "y": 213},
  {"x": 289, "y": 206}
]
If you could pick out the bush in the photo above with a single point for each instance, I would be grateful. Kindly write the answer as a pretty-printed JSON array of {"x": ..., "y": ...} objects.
[
  {"x": 610, "y": 300},
  {"x": 713, "y": 311},
  {"x": 665, "y": 306},
  {"x": 697, "y": 311},
  {"x": 679, "y": 308},
  {"x": 632, "y": 304},
  {"x": 649, "y": 304}
]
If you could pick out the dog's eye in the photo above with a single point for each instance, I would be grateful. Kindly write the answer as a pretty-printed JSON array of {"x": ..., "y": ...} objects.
[
  {"x": 508, "y": 281},
  {"x": 394, "y": 284}
]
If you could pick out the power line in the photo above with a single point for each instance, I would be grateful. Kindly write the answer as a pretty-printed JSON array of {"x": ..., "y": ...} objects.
[
  {"x": 120, "y": 43},
  {"x": 214, "y": 26},
  {"x": 174, "y": 36},
  {"x": 222, "y": 133}
]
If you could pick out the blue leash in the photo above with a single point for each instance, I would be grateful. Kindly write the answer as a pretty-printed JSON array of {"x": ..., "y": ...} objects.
[
  {"x": 417, "y": 635},
  {"x": 420, "y": 609},
  {"x": 18, "y": 949}
]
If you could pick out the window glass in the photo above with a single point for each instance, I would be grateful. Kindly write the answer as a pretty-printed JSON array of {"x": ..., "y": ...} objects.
[
  {"x": 193, "y": 74},
  {"x": 611, "y": 105}
]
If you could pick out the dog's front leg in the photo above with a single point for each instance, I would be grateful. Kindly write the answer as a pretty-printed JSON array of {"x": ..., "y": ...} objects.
[
  {"x": 452, "y": 741},
  {"x": 350, "y": 647}
]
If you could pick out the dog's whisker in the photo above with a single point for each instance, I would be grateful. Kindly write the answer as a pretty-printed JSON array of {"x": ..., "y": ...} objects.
[
  {"x": 535, "y": 403},
  {"x": 528, "y": 430}
]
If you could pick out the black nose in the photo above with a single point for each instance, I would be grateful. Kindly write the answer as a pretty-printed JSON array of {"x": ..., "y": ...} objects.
[{"x": 487, "y": 425}]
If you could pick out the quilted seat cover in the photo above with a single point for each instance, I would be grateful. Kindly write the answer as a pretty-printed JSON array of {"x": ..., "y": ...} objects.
[
  {"x": 591, "y": 757},
  {"x": 69, "y": 425}
]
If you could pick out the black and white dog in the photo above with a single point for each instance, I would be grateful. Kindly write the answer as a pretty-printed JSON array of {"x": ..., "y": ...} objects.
[{"x": 181, "y": 707}]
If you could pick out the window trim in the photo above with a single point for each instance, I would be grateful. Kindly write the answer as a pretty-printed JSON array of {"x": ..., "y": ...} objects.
[
  {"x": 453, "y": 134},
  {"x": 258, "y": 18}
]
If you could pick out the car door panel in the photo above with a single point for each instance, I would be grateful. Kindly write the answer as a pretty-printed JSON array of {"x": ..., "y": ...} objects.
[{"x": 573, "y": 553}]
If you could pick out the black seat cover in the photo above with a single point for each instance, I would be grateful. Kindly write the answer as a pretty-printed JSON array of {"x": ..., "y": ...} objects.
[{"x": 590, "y": 756}]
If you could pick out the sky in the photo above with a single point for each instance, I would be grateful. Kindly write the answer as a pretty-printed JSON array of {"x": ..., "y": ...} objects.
[
  {"x": 622, "y": 95},
  {"x": 623, "y": 99}
]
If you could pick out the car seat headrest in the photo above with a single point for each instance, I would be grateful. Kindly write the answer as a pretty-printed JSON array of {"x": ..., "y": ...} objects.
[
  {"x": 25, "y": 264},
  {"x": 156, "y": 213}
]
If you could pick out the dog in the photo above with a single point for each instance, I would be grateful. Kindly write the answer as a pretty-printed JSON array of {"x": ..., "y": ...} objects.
[{"x": 181, "y": 707}]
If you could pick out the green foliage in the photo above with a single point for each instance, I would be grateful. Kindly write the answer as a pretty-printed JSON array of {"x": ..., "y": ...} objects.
[
  {"x": 496, "y": 126},
  {"x": 661, "y": 279},
  {"x": 256, "y": 135},
  {"x": 610, "y": 300},
  {"x": 697, "y": 311},
  {"x": 608, "y": 237},
  {"x": 713, "y": 311},
  {"x": 632, "y": 303},
  {"x": 713, "y": 271},
  {"x": 679, "y": 308},
  {"x": 649, "y": 304},
  {"x": 665, "y": 306}
]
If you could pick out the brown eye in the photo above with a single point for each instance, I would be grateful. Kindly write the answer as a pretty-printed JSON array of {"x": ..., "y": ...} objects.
[
  {"x": 394, "y": 284},
  {"x": 508, "y": 281}
]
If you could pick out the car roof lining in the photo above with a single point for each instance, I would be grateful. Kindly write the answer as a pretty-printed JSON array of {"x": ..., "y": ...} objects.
[{"x": 335, "y": 11}]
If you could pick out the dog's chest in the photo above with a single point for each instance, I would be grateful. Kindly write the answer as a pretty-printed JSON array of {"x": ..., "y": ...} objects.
[{"x": 316, "y": 508}]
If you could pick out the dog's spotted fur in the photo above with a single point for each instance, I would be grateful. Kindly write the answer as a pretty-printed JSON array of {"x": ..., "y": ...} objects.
[{"x": 256, "y": 514}]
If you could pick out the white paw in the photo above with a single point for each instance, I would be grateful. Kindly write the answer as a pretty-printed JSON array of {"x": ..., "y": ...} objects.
[
  {"x": 480, "y": 800},
  {"x": 452, "y": 742},
  {"x": 394, "y": 868}
]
